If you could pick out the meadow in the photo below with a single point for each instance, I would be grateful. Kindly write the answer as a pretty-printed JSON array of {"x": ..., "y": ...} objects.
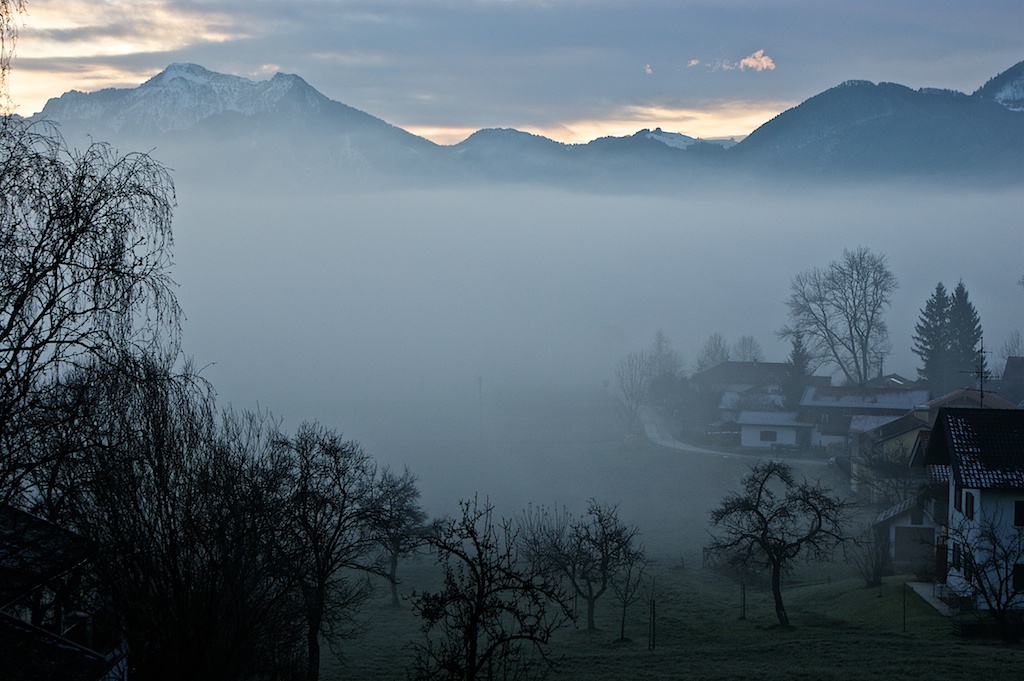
[
  {"x": 840, "y": 630},
  {"x": 570, "y": 450}
]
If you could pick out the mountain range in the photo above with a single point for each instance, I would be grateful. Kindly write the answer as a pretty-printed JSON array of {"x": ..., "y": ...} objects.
[{"x": 284, "y": 131}]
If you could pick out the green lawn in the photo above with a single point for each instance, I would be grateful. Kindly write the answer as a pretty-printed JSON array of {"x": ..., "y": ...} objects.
[{"x": 841, "y": 630}]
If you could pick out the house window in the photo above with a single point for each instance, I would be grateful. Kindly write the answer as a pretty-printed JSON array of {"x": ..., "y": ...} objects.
[
  {"x": 968, "y": 566},
  {"x": 1018, "y": 577},
  {"x": 969, "y": 505},
  {"x": 769, "y": 436},
  {"x": 1018, "y": 513},
  {"x": 956, "y": 556},
  {"x": 957, "y": 494},
  {"x": 917, "y": 516}
]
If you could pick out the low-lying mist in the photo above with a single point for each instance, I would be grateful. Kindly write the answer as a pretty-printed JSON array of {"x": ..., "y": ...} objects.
[{"x": 473, "y": 334}]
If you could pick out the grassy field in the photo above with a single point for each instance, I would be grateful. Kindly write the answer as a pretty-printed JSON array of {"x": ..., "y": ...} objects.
[
  {"x": 841, "y": 630},
  {"x": 567, "y": 451}
]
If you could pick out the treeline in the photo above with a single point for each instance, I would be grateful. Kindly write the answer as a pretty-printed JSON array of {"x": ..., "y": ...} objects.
[
  {"x": 216, "y": 544},
  {"x": 836, "y": 321}
]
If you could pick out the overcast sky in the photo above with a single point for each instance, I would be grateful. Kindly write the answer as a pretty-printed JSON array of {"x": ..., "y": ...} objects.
[{"x": 572, "y": 70}]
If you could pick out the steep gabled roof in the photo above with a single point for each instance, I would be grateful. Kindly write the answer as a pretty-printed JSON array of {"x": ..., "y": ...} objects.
[
  {"x": 984, "y": 448},
  {"x": 743, "y": 373},
  {"x": 969, "y": 397}
]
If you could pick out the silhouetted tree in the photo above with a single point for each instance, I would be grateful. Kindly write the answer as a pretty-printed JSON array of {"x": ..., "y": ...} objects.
[
  {"x": 398, "y": 521},
  {"x": 664, "y": 360},
  {"x": 328, "y": 506},
  {"x": 774, "y": 520},
  {"x": 840, "y": 310},
  {"x": 989, "y": 555},
  {"x": 747, "y": 349},
  {"x": 494, "y": 614},
  {"x": 714, "y": 351},
  {"x": 965, "y": 334},
  {"x": 85, "y": 251},
  {"x": 1012, "y": 347},
  {"x": 589, "y": 551},
  {"x": 628, "y": 582},
  {"x": 933, "y": 343},
  {"x": 182, "y": 514},
  {"x": 633, "y": 376},
  {"x": 798, "y": 372},
  {"x": 947, "y": 339}
]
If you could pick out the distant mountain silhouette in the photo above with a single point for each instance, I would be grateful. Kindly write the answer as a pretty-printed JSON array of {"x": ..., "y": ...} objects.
[{"x": 282, "y": 130}]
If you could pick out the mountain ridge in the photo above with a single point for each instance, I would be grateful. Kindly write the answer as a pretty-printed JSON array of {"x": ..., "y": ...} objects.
[{"x": 855, "y": 129}]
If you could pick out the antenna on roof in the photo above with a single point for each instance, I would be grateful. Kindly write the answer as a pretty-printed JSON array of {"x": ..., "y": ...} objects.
[{"x": 980, "y": 372}]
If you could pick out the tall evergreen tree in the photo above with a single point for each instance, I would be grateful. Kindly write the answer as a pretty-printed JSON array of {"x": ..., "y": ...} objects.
[
  {"x": 947, "y": 339},
  {"x": 932, "y": 343},
  {"x": 798, "y": 372},
  {"x": 965, "y": 337}
]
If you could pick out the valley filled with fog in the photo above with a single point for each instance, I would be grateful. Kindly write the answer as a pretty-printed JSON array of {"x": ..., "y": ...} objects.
[{"x": 472, "y": 335}]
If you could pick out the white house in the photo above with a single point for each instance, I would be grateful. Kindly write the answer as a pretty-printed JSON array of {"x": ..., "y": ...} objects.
[
  {"x": 984, "y": 450},
  {"x": 773, "y": 429}
]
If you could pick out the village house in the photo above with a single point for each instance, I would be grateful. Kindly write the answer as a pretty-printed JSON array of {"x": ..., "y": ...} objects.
[
  {"x": 982, "y": 452},
  {"x": 773, "y": 430},
  {"x": 53, "y": 623},
  {"x": 831, "y": 410}
]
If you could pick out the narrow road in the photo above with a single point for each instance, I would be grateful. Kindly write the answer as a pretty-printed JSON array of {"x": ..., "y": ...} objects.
[{"x": 660, "y": 433}]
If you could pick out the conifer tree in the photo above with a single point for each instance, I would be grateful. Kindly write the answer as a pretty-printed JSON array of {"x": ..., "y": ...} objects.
[
  {"x": 965, "y": 337},
  {"x": 947, "y": 338},
  {"x": 932, "y": 342},
  {"x": 798, "y": 371}
]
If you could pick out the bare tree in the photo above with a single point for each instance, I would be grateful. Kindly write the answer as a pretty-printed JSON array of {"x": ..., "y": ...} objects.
[
  {"x": 182, "y": 515},
  {"x": 84, "y": 255},
  {"x": 589, "y": 552},
  {"x": 398, "y": 521},
  {"x": 839, "y": 312},
  {"x": 747, "y": 349},
  {"x": 633, "y": 376},
  {"x": 884, "y": 473},
  {"x": 988, "y": 555},
  {"x": 664, "y": 360},
  {"x": 1013, "y": 347},
  {"x": 328, "y": 506},
  {"x": 627, "y": 584},
  {"x": 495, "y": 613},
  {"x": 714, "y": 351},
  {"x": 774, "y": 521},
  {"x": 10, "y": 10}
]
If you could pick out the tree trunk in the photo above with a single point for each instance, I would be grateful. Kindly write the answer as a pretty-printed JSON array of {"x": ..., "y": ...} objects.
[
  {"x": 314, "y": 620},
  {"x": 591, "y": 626},
  {"x": 780, "y": 609},
  {"x": 313, "y": 654},
  {"x": 622, "y": 623},
  {"x": 394, "y": 580}
]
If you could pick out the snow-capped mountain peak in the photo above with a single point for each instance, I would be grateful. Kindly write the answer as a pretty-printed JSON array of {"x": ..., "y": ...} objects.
[{"x": 179, "y": 97}]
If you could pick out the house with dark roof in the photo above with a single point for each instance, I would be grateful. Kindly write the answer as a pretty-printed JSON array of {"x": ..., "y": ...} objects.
[
  {"x": 832, "y": 408},
  {"x": 880, "y": 448},
  {"x": 1010, "y": 385},
  {"x": 982, "y": 451},
  {"x": 54, "y": 624},
  {"x": 743, "y": 386},
  {"x": 962, "y": 397}
]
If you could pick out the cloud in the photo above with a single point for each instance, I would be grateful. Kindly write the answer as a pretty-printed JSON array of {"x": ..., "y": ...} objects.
[
  {"x": 693, "y": 62},
  {"x": 648, "y": 70},
  {"x": 759, "y": 61}
]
